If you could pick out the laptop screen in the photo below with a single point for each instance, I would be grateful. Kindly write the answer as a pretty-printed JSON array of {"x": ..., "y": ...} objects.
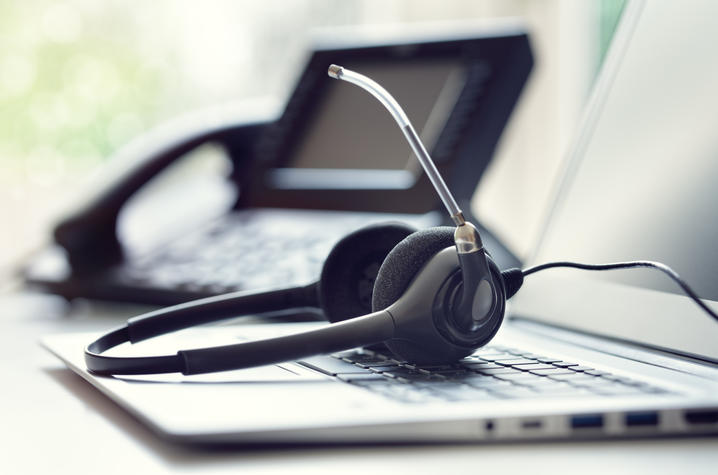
[{"x": 641, "y": 183}]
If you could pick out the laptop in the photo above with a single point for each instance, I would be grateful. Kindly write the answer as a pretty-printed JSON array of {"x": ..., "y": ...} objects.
[{"x": 580, "y": 355}]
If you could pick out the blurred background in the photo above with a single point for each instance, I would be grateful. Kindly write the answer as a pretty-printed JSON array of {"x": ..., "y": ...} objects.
[{"x": 79, "y": 79}]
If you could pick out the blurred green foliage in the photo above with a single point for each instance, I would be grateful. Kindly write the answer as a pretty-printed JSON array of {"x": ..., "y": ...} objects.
[{"x": 72, "y": 86}]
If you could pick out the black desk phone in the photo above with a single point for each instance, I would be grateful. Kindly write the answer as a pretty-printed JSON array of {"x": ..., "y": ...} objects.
[{"x": 331, "y": 162}]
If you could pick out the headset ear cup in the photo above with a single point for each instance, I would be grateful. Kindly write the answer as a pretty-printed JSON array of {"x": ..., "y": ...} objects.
[
  {"x": 347, "y": 279},
  {"x": 399, "y": 269},
  {"x": 405, "y": 260}
]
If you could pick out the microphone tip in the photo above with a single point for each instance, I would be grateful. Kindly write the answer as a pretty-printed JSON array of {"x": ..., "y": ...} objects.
[{"x": 335, "y": 71}]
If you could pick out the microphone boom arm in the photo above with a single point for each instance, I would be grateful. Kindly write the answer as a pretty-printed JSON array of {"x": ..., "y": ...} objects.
[{"x": 383, "y": 96}]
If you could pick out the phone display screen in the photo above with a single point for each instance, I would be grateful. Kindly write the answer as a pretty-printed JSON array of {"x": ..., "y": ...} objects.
[{"x": 352, "y": 130}]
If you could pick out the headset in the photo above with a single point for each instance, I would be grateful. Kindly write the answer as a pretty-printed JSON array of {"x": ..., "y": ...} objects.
[{"x": 430, "y": 296}]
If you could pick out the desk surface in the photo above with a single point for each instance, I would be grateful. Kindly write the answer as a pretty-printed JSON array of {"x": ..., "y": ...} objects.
[{"x": 54, "y": 422}]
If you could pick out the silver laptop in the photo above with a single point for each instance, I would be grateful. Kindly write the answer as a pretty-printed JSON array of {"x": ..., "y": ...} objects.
[{"x": 620, "y": 354}]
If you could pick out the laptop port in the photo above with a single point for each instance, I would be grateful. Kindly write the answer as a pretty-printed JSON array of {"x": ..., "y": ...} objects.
[
  {"x": 635, "y": 419},
  {"x": 587, "y": 421},
  {"x": 701, "y": 416},
  {"x": 532, "y": 424}
]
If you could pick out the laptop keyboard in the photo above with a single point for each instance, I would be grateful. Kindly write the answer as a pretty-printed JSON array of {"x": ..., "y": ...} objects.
[{"x": 491, "y": 373}]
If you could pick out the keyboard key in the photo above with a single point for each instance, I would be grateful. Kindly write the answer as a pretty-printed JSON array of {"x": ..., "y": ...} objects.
[
  {"x": 564, "y": 364},
  {"x": 366, "y": 359},
  {"x": 516, "y": 361},
  {"x": 411, "y": 375},
  {"x": 533, "y": 366},
  {"x": 482, "y": 365},
  {"x": 332, "y": 366},
  {"x": 493, "y": 371},
  {"x": 553, "y": 371},
  {"x": 580, "y": 368},
  {"x": 456, "y": 373},
  {"x": 347, "y": 355},
  {"x": 380, "y": 369},
  {"x": 494, "y": 349},
  {"x": 575, "y": 378},
  {"x": 489, "y": 353},
  {"x": 436, "y": 368},
  {"x": 532, "y": 356},
  {"x": 548, "y": 360},
  {"x": 497, "y": 358}
]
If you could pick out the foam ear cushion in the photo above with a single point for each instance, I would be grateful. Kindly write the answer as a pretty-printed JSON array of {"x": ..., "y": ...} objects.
[
  {"x": 398, "y": 270},
  {"x": 405, "y": 260},
  {"x": 347, "y": 279}
]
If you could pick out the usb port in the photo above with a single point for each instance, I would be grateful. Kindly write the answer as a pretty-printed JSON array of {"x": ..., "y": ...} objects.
[
  {"x": 701, "y": 416},
  {"x": 634, "y": 419},
  {"x": 587, "y": 421},
  {"x": 532, "y": 424}
]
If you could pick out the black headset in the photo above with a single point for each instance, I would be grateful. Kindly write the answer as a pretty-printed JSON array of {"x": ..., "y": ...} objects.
[{"x": 415, "y": 303}]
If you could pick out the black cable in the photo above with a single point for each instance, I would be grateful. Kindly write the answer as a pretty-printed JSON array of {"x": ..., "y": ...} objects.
[{"x": 626, "y": 265}]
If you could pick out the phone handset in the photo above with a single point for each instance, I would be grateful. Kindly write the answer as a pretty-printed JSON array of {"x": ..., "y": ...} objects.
[{"x": 89, "y": 234}]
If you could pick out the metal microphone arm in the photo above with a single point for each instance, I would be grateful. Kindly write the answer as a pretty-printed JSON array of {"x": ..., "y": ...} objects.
[
  {"x": 479, "y": 293},
  {"x": 338, "y": 72}
]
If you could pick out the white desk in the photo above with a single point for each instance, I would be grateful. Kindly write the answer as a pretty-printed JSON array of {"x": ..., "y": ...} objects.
[{"x": 54, "y": 422}]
